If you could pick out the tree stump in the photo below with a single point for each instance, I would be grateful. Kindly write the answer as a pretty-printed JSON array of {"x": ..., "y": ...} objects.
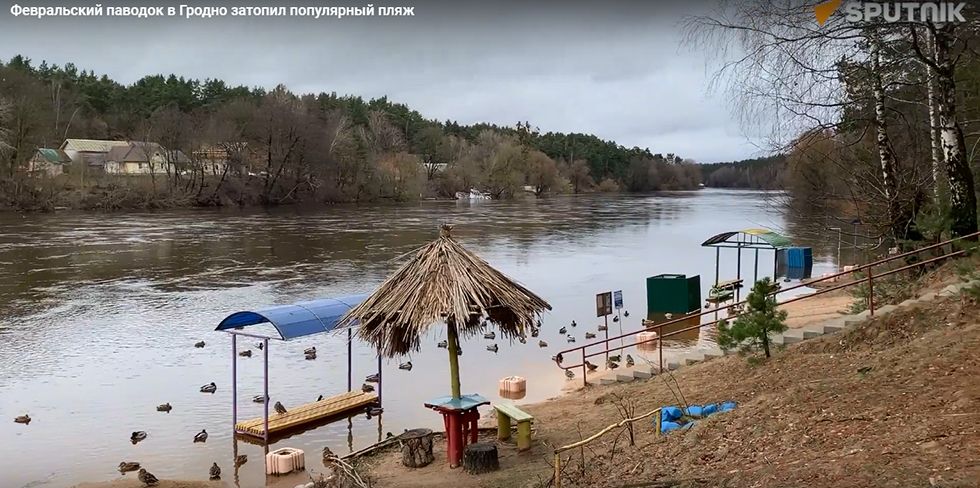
[
  {"x": 416, "y": 448},
  {"x": 480, "y": 458}
]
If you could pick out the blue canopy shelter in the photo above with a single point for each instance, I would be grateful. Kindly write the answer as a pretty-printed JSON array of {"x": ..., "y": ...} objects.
[{"x": 291, "y": 322}]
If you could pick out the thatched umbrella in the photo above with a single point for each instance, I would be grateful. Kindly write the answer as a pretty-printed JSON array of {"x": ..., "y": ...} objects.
[{"x": 443, "y": 282}]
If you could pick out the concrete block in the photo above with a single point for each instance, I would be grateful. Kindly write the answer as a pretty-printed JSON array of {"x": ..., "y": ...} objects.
[
  {"x": 625, "y": 376},
  {"x": 791, "y": 339},
  {"x": 693, "y": 359},
  {"x": 643, "y": 373},
  {"x": 885, "y": 310},
  {"x": 810, "y": 334}
]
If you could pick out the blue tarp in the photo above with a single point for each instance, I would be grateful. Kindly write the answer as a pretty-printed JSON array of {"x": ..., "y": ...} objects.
[{"x": 296, "y": 320}]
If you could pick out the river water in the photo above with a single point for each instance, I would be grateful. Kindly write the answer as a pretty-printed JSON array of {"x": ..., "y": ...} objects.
[{"x": 99, "y": 314}]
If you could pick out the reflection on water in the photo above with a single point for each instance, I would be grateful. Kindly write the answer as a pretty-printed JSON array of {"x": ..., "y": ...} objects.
[{"x": 99, "y": 314}]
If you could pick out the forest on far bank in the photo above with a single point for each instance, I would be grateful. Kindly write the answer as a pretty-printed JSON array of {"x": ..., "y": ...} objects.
[{"x": 280, "y": 147}]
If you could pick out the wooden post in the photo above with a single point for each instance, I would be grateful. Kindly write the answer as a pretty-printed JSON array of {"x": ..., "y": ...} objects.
[
  {"x": 503, "y": 427},
  {"x": 480, "y": 458},
  {"x": 416, "y": 448},
  {"x": 453, "y": 341},
  {"x": 871, "y": 294},
  {"x": 524, "y": 435},
  {"x": 557, "y": 470}
]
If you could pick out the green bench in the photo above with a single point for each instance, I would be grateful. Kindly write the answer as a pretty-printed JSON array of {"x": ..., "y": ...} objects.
[{"x": 508, "y": 413}]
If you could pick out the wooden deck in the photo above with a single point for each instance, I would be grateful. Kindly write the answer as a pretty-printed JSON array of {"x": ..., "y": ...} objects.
[{"x": 299, "y": 415}]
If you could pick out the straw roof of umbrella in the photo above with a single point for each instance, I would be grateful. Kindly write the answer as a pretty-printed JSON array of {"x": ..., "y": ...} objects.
[{"x": 444, "y": 283}]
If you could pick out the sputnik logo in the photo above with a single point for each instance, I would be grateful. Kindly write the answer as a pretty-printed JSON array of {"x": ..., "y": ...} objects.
[{"x": 825, "y": 9}]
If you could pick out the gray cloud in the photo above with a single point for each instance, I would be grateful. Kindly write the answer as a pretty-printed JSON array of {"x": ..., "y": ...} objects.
[{"x": 614, "y": 69}]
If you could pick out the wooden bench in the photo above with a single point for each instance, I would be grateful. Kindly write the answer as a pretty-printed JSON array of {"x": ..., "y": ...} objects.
[{"x": 508, "y": 413}]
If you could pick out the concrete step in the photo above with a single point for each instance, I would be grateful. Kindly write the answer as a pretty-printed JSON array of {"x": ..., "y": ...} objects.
[
  {"x": 674, "y": 364},
  {"x": 713, "y": 353},
  {"x": 831, "y": 326},
  {"x": 642, "y": 372},
  {"x": 625, "y": 376},
  {"x": 812, "y": 333},
  {"x": 693, "y": 358}
]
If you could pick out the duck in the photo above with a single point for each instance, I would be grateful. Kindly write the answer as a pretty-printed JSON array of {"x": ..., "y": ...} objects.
[
  {"x": 137, "y": 436},
  {"x": 569, "y": 374},
  {"x": 281, "y": 410},
  {"x": 573, "y": 324},
  {"x": 589, "y": 335},
  {"x": 406, "y": 366},
  {"x": 558, "y": 358},
  {"x": 311, "y": 357},
  {"x": 602, "y": 328},
  {"x": 246, "y": 353},
  {"x": 629, "y": 361},
  {"x": 199, "y": 344},
  {"x": 535, "y": 332},
  {"x": 164, "y": 408},
  {"x": 201, "y": 436},
  {"x": 443, "y": 344},
  {"x": 147, "y": 477},
  {"x": 240, "y": 460},
  {"x": 366, "y": 388},
  {"x": 522, "y": 340},
  {"x": 374, "y": 411},
  {"x": 209, "y": 388},
  {"x": 459, "y": 351},
  {"x": 668, "y": 316},
  {"x": 616, "y": 319},
  {"x": 490, "y": 335},
  {"x": 542, "y": 344},
  {"x": 215, "y": 472},
  {"x": 571, "y": 338},
  {"x": 23, "y": 419},
  {"x": 311, "y": 350},
  {"x": 611, "y": 365},
  {"x": 538, "y": 322},
  {"x": 563, "y": 330},
  {"x": 373, "y": 378},
  {"x": 617, "y": 358},
  {"x": 125, "y": 467},
  {"x": 260, "y": 346},
  {"x": 590, "y": 366},
  {"x": 626, "y": 313},
  {"x": 259, "y": 399},
  {"x": 319, "y": 398},
  {"x": 492, "y": 348}
]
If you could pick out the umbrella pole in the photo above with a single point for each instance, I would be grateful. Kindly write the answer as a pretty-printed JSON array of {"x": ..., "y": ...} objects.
[{"x": 453, "y": 341}]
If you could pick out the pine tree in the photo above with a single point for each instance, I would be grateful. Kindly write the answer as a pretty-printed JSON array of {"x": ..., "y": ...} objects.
[{"x": 751, "y": 329}]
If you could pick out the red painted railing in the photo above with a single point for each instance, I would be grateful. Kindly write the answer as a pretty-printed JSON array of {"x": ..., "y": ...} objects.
[{"x": 869, "y": 269}]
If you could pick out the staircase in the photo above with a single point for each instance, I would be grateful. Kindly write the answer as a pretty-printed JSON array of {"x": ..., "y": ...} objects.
[{"x": 645, "y": 371}]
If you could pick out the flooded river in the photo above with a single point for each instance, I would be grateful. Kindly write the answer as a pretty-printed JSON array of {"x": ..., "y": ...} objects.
[{"x": 99, "y": 314}]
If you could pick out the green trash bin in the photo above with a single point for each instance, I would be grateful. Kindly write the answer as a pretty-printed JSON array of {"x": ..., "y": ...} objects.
[{"x": 673, "y": 293}]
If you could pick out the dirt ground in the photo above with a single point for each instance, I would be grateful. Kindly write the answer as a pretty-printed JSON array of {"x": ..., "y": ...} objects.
[
  {"x": 132, "y": 482},
  {"x": 893, "y": 402}
]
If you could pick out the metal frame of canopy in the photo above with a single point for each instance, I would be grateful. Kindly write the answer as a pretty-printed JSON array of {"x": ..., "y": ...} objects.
[
  {"x": 291, "y": 322},
  {"x": 754, "y": 239}
]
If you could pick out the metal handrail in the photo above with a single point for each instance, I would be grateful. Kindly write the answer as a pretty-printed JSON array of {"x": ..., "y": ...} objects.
[{"x": 870, "y": 280}]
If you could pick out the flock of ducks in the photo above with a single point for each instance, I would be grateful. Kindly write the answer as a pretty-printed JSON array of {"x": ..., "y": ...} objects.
[{"x": 149, "y": 479}]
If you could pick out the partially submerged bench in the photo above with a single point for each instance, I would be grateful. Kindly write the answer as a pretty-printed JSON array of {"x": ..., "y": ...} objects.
[{"x": 508, "y": 413}]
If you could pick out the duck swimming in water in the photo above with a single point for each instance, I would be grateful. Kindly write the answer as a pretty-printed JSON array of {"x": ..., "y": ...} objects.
[
  {"x": 260, "y": 346},
  {"x": 319, "y": 398},
  {"x": 563, "y": 330},
  {"x": 573, "y": 323},
  {"x": 373, "y": 378},
  {"x": 492, "y": 348},
  {"x": 490, "y": 335},
  {"x": 602, "y": 328},
  {"x": 215, "y": 472},
  {"x": 626, "y": 313},
  {"x": 240, "y": 460},
  {"x": 535, "y": 332},
  {"x": 443, "y": 344},
  {"x": 164, "y": 408},
  {"x": 406, "y": 366},
  {"x": 137, "y": 436},
  {"x": 571, "y": 338},
  {"x": 147, "y": 477},
  {"x": 199, "y": 344},
  {"x": 310, "y": 356},
  {"x": 374, "y": 411},
  {"x": 366, "y": 388},
  {"x": 522, "y": 340},
  {"x": 209, "y": 388},
  {"x": 311, "y": 350},
  {"x": 589, "y": 335},
  {"x": 125, "y": 467},
  {"x": 616, "y": 319},
  {"x": 542, "y": 344},
  {"x": 259, "y": 399},
  {"x": 23, "y": 419},
  {"x": 201, "y": 436},
  {"x": 558, "y": 358},
  {"x": 246, "y": 353}
]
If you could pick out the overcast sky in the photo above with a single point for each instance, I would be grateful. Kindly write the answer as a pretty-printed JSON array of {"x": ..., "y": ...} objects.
[{"x": 616, "y": 69}]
